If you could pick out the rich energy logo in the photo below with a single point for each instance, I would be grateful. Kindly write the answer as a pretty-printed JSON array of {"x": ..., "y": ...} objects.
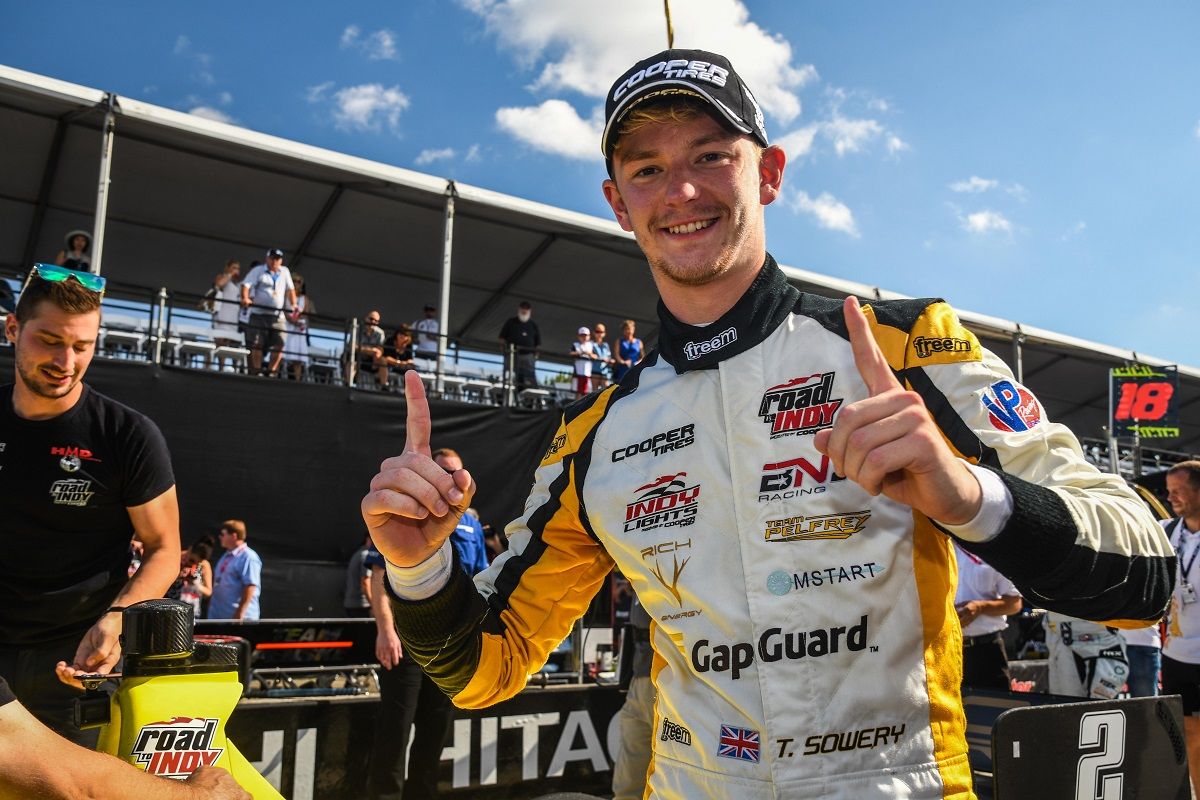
[
  {"x": 659, "y": 443},
  {"x": 71, "y": 492},
  {"x": 775, "y": 645},
  {"x": 801, "y": 406},
  {"x": 672, "y": 585},
  {"x": 176, "y": 748},
  {"x": 784, "y": 480},
  {"x": 693, "y": 351},
  {"x": 674, "y": 732},
  {"x": 781, "y": 582},
  {"x": 663, "y": 503},
  {"x": 822, "y": 526},
  {"x": 928, "y": 345}
]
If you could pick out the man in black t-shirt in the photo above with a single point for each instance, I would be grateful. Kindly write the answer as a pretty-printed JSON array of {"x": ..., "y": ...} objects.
[
  {"x": 80, "y": 475},
  {"x": 522, "y": 334}
]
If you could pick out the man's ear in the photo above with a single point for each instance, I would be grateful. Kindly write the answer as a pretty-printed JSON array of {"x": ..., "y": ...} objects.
[
  {"x": 613, "y": 195},
  {"x": 770, "y": 174},
  {"x": 11, "y": 327}
]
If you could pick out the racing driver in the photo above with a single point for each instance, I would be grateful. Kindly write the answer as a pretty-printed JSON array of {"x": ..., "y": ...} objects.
[{"x": 780, "y": 480}]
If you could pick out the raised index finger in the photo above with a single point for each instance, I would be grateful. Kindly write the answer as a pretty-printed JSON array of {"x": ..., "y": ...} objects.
[
  {"x": 416, "y": 429},
  {"x": 872, "y": 366}
]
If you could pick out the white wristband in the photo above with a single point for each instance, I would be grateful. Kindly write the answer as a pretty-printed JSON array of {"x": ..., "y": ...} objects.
[
  {"x": 994, "y": 510},
  {"x": 425, "y": 579}
]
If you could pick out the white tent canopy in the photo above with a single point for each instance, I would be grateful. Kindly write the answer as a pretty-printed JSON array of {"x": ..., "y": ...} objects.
[{"x": 188, "y": 193}]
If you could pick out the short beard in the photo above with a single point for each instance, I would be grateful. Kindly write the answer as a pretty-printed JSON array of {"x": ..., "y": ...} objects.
[{"x": 35, "y": 386}]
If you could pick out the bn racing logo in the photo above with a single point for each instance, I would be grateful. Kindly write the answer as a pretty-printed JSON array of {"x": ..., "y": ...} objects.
[
  {"x": 820, "y": 526},
  {"x": 665, "y": 502},
  {"x": 775, "y": 645},
  {"x": 176, "y": 748},
  {"x": 801, "y": 406},
  {"x": 784, "y": 480}
]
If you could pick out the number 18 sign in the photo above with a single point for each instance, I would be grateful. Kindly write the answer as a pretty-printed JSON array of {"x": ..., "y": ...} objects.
[{"x": 1142, "y": 402}]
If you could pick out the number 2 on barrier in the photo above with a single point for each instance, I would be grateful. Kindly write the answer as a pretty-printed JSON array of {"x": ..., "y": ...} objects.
[{"x": 1097, "y": 728}]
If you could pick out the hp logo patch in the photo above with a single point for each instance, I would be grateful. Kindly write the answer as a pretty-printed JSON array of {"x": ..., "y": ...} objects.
[{"x": 779, "y": 583}]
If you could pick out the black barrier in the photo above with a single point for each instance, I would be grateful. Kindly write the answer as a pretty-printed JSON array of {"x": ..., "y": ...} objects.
[
  {"x": 1103, "y": 750},
  {"x": 543, "y": 740}
]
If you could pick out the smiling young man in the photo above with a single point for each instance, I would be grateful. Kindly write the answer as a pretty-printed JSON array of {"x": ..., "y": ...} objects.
[
  {"x": 780, "y": 481},
  {"x": 80, "y": 475}
]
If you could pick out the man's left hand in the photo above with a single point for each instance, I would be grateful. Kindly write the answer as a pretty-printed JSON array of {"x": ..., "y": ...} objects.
[
  {"x": 98, "y": 651},
  {"x": 888, "y": 444}
]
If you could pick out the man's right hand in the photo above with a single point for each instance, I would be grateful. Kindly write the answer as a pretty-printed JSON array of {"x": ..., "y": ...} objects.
[
  {"x": 388, "y": 649},
  {"x": 414, "y": 505},
  {"x": 216, "y": 783}
]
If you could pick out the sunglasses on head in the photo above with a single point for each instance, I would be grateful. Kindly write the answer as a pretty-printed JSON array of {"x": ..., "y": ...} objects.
[{"x": 56, "y": 274}]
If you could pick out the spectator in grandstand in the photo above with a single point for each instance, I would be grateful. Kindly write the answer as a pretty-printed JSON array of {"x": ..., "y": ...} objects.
[
  {"x": 983, "y": 600},
  {"x": 74, "y": 254},
  {"x": 226, "y": 306},
  {"x": 356, "y": 599},
  {"x": 296, "y": 349},
  {"x": 408, "y": 699},
  {"x": 237, "y": 579},
  {"x": 521, "y": 334},
  {"x": 427, "y": 329},
  {"x": 629, "y": 349},
  {"x": 636, "y": 717},
  {"x": 585, "y": 357},
  {"x": 267, "y": 292},
  {"x": 34, "y": 762},
  {"x": 369, "y": 357},
  {"x": 1181, "y": 653},
  {"x": 1143, "y": 648},
  {"x": 602, "y": 370},
  {"x": 81, "y": 475},
  {"x": 397, "y": 355}
]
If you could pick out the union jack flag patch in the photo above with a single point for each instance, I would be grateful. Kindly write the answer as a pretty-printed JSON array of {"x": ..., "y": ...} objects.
[{"x": 741, "y": 743}]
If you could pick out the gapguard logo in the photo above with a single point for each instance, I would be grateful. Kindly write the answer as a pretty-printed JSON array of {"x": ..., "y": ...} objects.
[
  {"x": 176, "y": 748},
  {"x": 781, "y": 582},
  {"x": 71, "y": 492},
  {"x": 775, "y": 645},
  {"x": 665, "y": 502},
  {"x": 821, "y": 526},
  {"x": 801, "y": 406},
  {"x": 692, "y": 351},
  {"x": 784, "y": 480},
  {"x": 659, "y": 443}
]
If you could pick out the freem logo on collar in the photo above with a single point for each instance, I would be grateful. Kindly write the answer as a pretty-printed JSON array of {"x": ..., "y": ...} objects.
[{"x": 693, "y": 351}]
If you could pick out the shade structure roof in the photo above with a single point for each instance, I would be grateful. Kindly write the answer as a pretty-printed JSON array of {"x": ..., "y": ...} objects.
[{"x": 188, "y": 193}]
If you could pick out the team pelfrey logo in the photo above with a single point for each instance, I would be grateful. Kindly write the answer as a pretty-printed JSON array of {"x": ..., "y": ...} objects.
[
  {"x": 665, "y": 502},
  {"x": 820, "y": 526},
  {"x": 71, "y": 492},
  {"x": 1011, "y": 407},
  {"x": 177, "y": 747},
  {"x": 801, "y": 406}
]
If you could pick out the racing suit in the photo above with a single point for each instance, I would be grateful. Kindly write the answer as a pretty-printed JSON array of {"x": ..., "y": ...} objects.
[
  {"x": 1087, "y": 659},
  {"x": 806, "y": 641}
]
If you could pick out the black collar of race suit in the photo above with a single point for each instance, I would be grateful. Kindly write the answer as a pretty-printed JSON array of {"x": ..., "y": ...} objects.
[{"x": 753, "y": 317}]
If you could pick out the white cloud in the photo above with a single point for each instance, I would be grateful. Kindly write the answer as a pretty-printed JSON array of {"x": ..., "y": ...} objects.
[
  {"x": 1075, "y": 230},
  {"x": 216, "y": 115},
  {"x": 378, "y": 46},
  {"x": 799, "y": 142},
  {"x": 202, "y": 62},
  {"x": 850, "y": 135},
  {"x": 987, "y": 221},
  {"x": 1197, "y": 131},
  {"x": 473, "y": 155},
  {"x": 225, "y": 98},
  {"x": 828, "y": 211},
  {"x": 553, "y": 127},
  {"x": 974, "y": 185},
  {"x": 368, "y": 107},
  {"x": 182, "y": 43},
  {"x": 316, "y": 94},
  {"x": 896, "y": 145},
  {"x": 426, "y": 157},
  {"x": 1018, "y": 191}
]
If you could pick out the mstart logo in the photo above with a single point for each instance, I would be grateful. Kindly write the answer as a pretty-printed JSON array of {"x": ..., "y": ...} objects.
[
  {"x": 176, "y": 748},
  {"x": 801, "y": 406},
  {"x": 775, "y": 645},
  {"x": 784, "y": 480},
  {"x": 665, "y": 502},
  {"x": 692, "y": 351}
]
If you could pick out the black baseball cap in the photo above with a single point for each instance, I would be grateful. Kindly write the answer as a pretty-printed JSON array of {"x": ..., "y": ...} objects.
[
  {"x": 698, "y": 73},
  {"x": 274, "y": 252}
]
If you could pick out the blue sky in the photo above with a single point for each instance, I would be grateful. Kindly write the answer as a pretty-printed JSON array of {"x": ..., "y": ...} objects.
[{"x": 1033, "y": 161}]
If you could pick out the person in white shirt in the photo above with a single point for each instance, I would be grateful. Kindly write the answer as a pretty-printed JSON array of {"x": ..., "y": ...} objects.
[
  {"x": 585, "y": 354},
  {"x": 267, "y": 292},
  {"x": 1181, "y": 653},
  {"x": 984, "y": 600},
  {"x": 427, "y": 330}
]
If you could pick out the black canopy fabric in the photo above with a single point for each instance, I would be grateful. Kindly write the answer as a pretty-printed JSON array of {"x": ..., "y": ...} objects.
[{"x": 188, "y": 193}]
